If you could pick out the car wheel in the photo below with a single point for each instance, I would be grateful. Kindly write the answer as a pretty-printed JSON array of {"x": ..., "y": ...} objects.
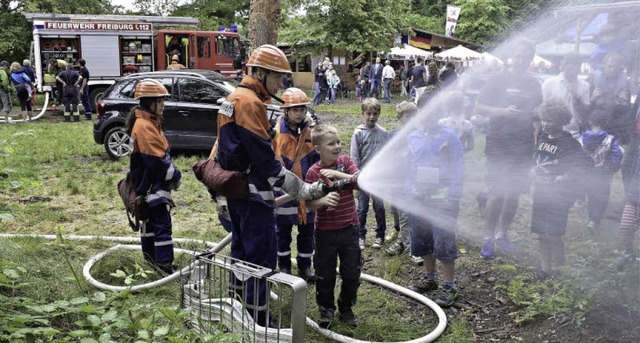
[
  {"x": 116, "y": 143},
  {"x": 94, "y": 96}
]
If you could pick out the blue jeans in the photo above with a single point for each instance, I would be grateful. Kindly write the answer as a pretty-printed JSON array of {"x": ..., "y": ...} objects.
[
  {"x": 378, "y": 209},
  {"x": 333, "y": 95},
  {"x": 316, "y": 96},
  {"x": 86, "y": 103},
  {"x": 436, "y": 235},
  {"x": 387, "y": 89},
  {"x": 375, "y": 87}
]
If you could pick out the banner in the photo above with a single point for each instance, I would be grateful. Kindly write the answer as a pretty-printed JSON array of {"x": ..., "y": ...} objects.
[{"x": 453, "y": 12}]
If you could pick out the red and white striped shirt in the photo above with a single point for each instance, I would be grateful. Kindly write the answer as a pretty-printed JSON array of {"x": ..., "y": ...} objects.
[{"x": 345, "y": 214}]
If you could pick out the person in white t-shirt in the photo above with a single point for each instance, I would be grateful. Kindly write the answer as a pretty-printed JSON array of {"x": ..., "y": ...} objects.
[
  {"x": 388, "y": 74},
  {"x": 573, "y": 91}
]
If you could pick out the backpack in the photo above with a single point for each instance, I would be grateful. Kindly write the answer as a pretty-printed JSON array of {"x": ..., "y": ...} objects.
[{"x": 136, "y": 208}]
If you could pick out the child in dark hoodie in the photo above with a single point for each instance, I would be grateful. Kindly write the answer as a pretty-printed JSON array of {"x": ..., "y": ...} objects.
[{"x": 607, "y": 157}]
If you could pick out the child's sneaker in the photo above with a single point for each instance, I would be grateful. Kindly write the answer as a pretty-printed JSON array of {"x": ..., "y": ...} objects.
[
  {"x": 417, "y": 260},
  {"x": 361, "y": 243},
  {"x": 378, "y": 243},
  {"x": 504, "y": 244},
  {"x": 447, "y": 297},
  {"x": 425, "y": 284},
  {"x": 395, "y": 249},
  {"x": 591, "y": 227},
  {"x": 487, "y": 249},
  {"x": 348, "y": 318},
  {"x": 393, "y": 235},
  {"x": 326, "y": 317}
]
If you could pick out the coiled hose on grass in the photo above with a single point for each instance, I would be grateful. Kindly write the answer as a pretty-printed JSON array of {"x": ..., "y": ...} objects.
[{"x": 217, "y": 247}]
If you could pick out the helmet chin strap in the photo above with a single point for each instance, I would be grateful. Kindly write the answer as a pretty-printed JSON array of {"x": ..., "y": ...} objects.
[{"x": 264, "y": 84}]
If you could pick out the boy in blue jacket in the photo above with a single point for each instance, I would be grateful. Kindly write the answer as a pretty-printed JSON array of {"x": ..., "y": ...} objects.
[
  {"x": 436, "y": 159},
  {"x": 607, "y": 157}
]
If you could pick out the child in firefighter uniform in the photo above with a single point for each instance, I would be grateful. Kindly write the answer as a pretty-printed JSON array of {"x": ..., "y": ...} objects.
[
  {"x": 244, "y": 144},
  {"x": 292, "y": 146},
  {"x": 153, "y": 174}
]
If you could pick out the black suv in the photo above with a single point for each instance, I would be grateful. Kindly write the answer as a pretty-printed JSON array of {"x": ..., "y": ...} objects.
[{"x": 190, "y": 111}]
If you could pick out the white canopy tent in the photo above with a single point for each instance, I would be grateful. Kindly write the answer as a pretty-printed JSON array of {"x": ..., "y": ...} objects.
[
  {"x": 407, "y": 53},
  {"x": 459, "y": 53},
  {"x": 489, "y": 57}
]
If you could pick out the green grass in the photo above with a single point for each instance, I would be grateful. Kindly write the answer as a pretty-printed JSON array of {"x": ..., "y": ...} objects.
[
  {"x": 69, "y": 186},
  {"x": 71, "y": 189}
]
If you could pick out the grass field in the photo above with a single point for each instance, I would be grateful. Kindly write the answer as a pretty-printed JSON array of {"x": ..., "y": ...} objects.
[{"x": 55, "y": 180}]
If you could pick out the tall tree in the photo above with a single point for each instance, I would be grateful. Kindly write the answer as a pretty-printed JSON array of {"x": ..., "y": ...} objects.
[
  {"x": 264, "y": 19},
  {"x": 350, "y": 25},
  {"x": 216, "y": 13},
  {"x": 482, "y": 21}
]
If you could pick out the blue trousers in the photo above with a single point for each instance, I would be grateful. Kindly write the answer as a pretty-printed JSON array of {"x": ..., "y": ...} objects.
[
  {"x": 378, "y": 209},
  {"x": 84, "y": 96},
  {"x": 254, "y": 241},
  {"x": 375, "y": 87},
  {"x": 304, "y": 241},
  {"x": 157, "y": 245},
  {"x": 387, "y": 89},
  {"x": 316, "y": 96}
]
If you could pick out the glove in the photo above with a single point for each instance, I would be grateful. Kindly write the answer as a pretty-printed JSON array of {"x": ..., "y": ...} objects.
[{"x": 294, "y": 186}]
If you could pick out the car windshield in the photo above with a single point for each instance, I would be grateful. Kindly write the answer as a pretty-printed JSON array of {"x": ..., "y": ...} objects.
[{"x": 227, "y": 85}]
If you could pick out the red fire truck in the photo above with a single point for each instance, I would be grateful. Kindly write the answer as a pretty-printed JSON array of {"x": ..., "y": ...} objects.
[{"x": 116, "y": 45}]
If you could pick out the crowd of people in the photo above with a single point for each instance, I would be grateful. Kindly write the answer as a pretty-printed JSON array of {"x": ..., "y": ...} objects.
[
  {"x": 560, "y": 138},
  {"x": 18, "y": 79},
  {"x": 71, "y": 88}
]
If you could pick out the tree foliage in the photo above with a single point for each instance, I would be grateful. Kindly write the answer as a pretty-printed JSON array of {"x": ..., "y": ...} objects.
[
  {"x": 347, "y": 25},
  {"x": 215, "y": 13},
  {"x": 481, "y": 21}
]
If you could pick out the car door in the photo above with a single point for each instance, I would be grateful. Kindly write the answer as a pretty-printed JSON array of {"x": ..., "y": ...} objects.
[
  {"x": 198, "y": 109},
  {"x": 170, "y": 119}
]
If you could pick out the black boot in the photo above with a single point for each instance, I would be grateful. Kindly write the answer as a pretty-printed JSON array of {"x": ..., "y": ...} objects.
[
  {"x": 326, "y": 317},
  {"x": 76, "y": 118},
  {"x": 307, "y": 274},
  {"x": 87, "y": 116},
  {"x": 67, "y": 119}
]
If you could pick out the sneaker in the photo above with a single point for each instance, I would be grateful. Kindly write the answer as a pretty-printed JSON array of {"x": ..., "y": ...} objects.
[
  {"x": 447, "y": 297},
  {"x": 425, "y": 284},
  {"x": 417, "y": 260},
  {"x": 326, "y": 317},
  {"x": 378, "y": 243},
  {"x": 361, "y": 242},
  {"x": 395, "y": 249},
  {"x": 487, "y": 249},
  {"x": 504, "y": 244},
  {"x": 348, "y": 318},
  {"x": 392, "y": 236}
]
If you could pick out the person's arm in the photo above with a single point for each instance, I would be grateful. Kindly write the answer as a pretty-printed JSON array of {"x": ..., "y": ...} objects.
[
  {"x": 283, "y": 199},
  {"x": 456, "y": 158},
  {"x": 330, "y": 200},
  {"x": 354, "y": 151},
  {"x": 60, "y": 80},
  {"x": 615, "y": 156},
  {"x": 469, "y": 139},
  {"x": 77, "y": 82},
  {"x": 84, "y": 83}
]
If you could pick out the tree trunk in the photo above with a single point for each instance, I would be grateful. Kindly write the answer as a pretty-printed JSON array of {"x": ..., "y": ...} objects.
[{"x": 264, "y": 19}]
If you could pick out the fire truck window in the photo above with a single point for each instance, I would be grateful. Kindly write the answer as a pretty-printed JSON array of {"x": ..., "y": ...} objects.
[
  {"x": 226, "y": 46},
  {"x": 204, "y": 47},
  {"x": 198, "y": 91}
]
